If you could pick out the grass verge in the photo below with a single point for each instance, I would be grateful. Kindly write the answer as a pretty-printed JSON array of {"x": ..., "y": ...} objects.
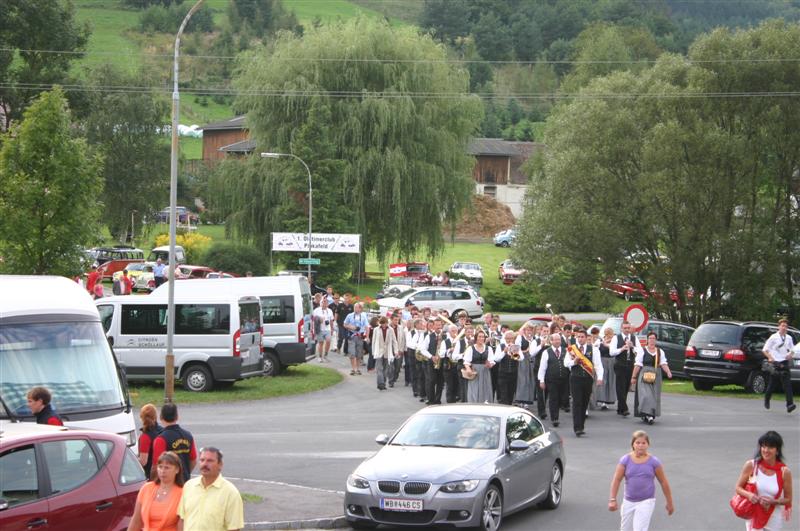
[
  {"x": 294, "y": 380},
  {"x": 685, "y": 387}
]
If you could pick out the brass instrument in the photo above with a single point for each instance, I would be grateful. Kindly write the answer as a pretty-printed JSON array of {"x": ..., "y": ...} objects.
[
  {"x": 418, "y": 355},
  {"x": 582, "y": 360},
  {"x": 514, "y": 353},
  {"x": 447, "y": 360}
]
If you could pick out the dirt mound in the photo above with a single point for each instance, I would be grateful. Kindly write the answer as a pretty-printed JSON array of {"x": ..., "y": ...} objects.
[{"x": 484, "y": 218}]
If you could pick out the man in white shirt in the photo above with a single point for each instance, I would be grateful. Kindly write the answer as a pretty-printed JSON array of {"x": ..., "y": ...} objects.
[
  {"x": 778, "y": 351},
  {"x": 581, "y": 379},
  {"x": 322, "y": 317},
  {"x": 623, "y": 349}
]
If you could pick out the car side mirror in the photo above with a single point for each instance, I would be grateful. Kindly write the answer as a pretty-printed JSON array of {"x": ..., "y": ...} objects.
[
  {"x": 3, "y": 504},
  {"x": 518, "y": 445},
  {"x": 382, "y": 439},
  {"x": 110, "y": 341}
]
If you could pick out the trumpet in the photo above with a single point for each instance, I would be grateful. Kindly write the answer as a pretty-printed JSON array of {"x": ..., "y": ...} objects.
[
  {"x": 514, "y": 352},
  {"x": 418, "y": 355},
  {"x": 437, "y": 362}
]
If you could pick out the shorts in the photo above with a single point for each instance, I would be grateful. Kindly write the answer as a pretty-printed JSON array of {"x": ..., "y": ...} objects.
[
  {"x": 355, "y": 346},
  {"x": 324, "y": 335}
]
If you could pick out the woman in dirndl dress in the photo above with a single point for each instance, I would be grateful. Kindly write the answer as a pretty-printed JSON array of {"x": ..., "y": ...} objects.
[
  {"x": 647, "y": 403},
  {"x": 480, "y": 359},
  {"x": 606, "y": 393},
  {"x": 526, "y": 387}
]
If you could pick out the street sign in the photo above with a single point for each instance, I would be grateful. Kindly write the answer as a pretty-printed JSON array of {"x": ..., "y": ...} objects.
[
  {"x": 309, "y": 261},
  {"x": 637, "y": 316}
]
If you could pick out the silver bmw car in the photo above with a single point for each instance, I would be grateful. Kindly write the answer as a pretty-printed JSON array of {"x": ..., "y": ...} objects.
[{"x": 462, "y": 465}]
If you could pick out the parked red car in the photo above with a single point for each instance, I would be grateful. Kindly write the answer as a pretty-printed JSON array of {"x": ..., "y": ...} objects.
[
  {"x": 629, "y": 288},
  {"x": 113, "y": 259},
  {"x": 419, "y": 271},
  {"x": 508, "y": 272},
  {"x": 62, "y": 479}
]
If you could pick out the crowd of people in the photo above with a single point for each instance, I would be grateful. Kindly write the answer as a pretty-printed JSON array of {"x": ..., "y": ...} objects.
[{"x": 555, "y": 366}]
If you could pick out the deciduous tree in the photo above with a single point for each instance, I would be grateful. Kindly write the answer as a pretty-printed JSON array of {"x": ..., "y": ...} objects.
[{"x": 49, "y": 192}]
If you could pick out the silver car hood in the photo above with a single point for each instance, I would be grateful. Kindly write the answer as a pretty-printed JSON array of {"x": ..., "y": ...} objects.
[{"x": 416, "y": 463}]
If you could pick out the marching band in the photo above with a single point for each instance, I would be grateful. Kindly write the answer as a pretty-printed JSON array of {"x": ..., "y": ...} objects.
[{"x": 555, "y": 365}]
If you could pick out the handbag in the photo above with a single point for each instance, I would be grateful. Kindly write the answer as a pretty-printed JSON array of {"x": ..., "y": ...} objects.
[
  {"x": 650, "y": 377},
  {"x": 742, "y": 506}
]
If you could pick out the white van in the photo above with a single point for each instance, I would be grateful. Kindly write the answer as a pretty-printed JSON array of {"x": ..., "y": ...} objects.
[
  {"x": 285, "y": 305},
  {"x": 217, "y": 339},
  {"x": 51, "y": 336}
]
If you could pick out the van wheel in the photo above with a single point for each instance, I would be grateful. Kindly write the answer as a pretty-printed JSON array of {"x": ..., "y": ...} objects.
[
  {"x": 272, "y": 366},
  {"x": 756, "y": 383},
  {"x": 702, "y": 385},
  {"x": 197, "y": 378}
]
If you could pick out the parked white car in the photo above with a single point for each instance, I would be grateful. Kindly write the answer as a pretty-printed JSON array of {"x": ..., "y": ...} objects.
[
  {"x": 436, "y": 298},
  {"x": 470, "y": 271}
]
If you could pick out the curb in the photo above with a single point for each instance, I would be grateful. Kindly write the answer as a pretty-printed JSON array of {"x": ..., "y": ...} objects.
[{"x": 334, "y": 522}]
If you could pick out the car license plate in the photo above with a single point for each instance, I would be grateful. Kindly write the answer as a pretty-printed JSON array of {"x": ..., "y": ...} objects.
[
  {"x": 709, "y": 353},
  {"x": 397, "y": 504}
]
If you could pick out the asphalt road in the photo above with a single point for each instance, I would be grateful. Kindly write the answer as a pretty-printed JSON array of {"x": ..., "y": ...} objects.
[{"x": 316, "y": 440}]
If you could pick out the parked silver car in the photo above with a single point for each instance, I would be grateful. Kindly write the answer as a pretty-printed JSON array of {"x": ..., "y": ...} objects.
[{"x": 462, "y": 465}]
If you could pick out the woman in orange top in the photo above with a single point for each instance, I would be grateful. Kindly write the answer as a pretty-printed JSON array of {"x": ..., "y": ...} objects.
[{"x": 157, "y": 503}]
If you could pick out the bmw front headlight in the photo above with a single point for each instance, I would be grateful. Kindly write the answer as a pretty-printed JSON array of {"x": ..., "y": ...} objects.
[
  {"x": 467, "y": 485},
  {"x": 357, "y": 482}
]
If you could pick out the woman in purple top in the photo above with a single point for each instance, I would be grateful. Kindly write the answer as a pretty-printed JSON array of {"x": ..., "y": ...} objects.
[{"x": 639, "y": 469}]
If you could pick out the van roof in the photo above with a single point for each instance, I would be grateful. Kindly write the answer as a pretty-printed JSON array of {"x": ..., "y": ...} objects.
[
  {"x": 239, "y": 285},
  {"x": 48, "y": 295},
  {"x": 179, "y": 298}
]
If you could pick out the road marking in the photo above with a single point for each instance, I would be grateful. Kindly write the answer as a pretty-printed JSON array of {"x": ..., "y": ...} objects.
[{"x": 283, "y": 484}]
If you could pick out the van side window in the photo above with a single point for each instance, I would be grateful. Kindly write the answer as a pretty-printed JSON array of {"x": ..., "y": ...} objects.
[
  {"x": 277, "y": 309},
  {"x": 203, "y": 319},
  {"x": 144, "y": 319}
]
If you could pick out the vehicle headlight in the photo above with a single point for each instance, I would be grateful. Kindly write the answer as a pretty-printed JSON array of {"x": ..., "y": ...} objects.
[
  {"x": 357, "y": 482},
  {"x": 130, "y": 437},
  {"x": 468, "y": 485}
]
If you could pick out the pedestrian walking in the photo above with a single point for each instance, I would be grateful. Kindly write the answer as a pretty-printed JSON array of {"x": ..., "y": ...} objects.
[
  {"x": 157, "y": 503},
  {"x": 396, "y": 364},
  {"x": 773, "y": 484},
  {"x": 211, "y": 502},
  {"x": 624, "y": 349},
  {"x": 434, "y": 377},
  {"x": 343, "y": 309},
  {"x": 159, "y": 272},
  {"x": 39, "y": 399},
  {"x": 355, "y": 324},
  {"x": 650, "y": 362},
  {"x": 507, "y": 356},
  {"x": 175, "y": 439},
  {"x": 583, "y": 366},
  {"x": 554, "y": 376},
  {"x": 606, "y": 393},
  {"x": 640, "y": 470},
  {"x": 92, "y": 279},
  {"x": 384, "y": 350},
  {"x": 323, "y": 323},
  {"x": 778, "y": 351},
  {"x": 450, "y": 352},
  {"x": 479, "y": 360},
  {"x": 150, "y": 430}
]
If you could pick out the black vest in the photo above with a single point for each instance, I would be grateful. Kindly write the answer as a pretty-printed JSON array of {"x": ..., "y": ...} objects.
[
  {"x": 181, "y": 442},
  {"x": 47, "y": 413},
  {"x": 462, "y": 343},
  {"x": 576, "y": 370},
  {"x": 479, "y": 358},
  {"x": 524, "y": 344},
  {"x": 555, "y": 366},
  {"x": 433, "y": 343},
  {"x": 507, "y": 364},
  {"x": 153, "y": 432},
  {"x": 648, "y": 360},
  {"x": 626, "y": 358}
]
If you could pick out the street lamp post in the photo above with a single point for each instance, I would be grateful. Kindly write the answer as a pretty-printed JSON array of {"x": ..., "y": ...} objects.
[
  {"x": 310, "y": 204},
  {"x": 169, "y": 362}
]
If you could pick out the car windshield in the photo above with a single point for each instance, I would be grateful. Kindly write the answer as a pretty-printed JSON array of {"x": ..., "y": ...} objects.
[
  {"x": 402, "y": 294},
  {"x": 721, "y": 333},
  {"x": 417, "y": 268},
  {"x": 73, "y": 360},
  {"x": 481, "y": 432},
  {"x": 135, "y": 267},
  {"x": 467, "y": 266}
]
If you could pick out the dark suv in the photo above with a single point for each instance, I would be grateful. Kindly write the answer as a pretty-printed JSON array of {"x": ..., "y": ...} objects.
[{"x": 730, "y": 352}]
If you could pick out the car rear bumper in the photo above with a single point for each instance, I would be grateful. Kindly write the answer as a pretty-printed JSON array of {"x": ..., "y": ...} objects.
[
  {"x": 719, "y": 371},
  {"x": 291, "y": 353},
  {"x": 454, "y": 510}
]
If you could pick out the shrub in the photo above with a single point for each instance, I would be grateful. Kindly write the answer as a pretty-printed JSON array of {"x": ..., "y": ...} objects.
[
  {"x": 193, "y": 243},
  {"x": 518, "y": 297},
  {"x": 236, "y": 258}
]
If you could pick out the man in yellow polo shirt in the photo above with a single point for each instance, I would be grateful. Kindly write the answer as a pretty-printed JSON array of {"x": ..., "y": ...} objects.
[{"x": 211, "y": 502}]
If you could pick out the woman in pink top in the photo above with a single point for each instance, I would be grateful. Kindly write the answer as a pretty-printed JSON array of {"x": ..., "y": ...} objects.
[
  {"x": 640, "y": 470},
  {"x": 157, "y": 503}
]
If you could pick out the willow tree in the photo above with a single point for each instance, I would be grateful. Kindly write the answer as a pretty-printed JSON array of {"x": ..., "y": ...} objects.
[{"x": 381, "y": 117}]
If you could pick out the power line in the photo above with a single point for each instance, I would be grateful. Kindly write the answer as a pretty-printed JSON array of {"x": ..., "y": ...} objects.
[
  {"x": 407, "y": 61},
  {"x": 222, "y": 91}
]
